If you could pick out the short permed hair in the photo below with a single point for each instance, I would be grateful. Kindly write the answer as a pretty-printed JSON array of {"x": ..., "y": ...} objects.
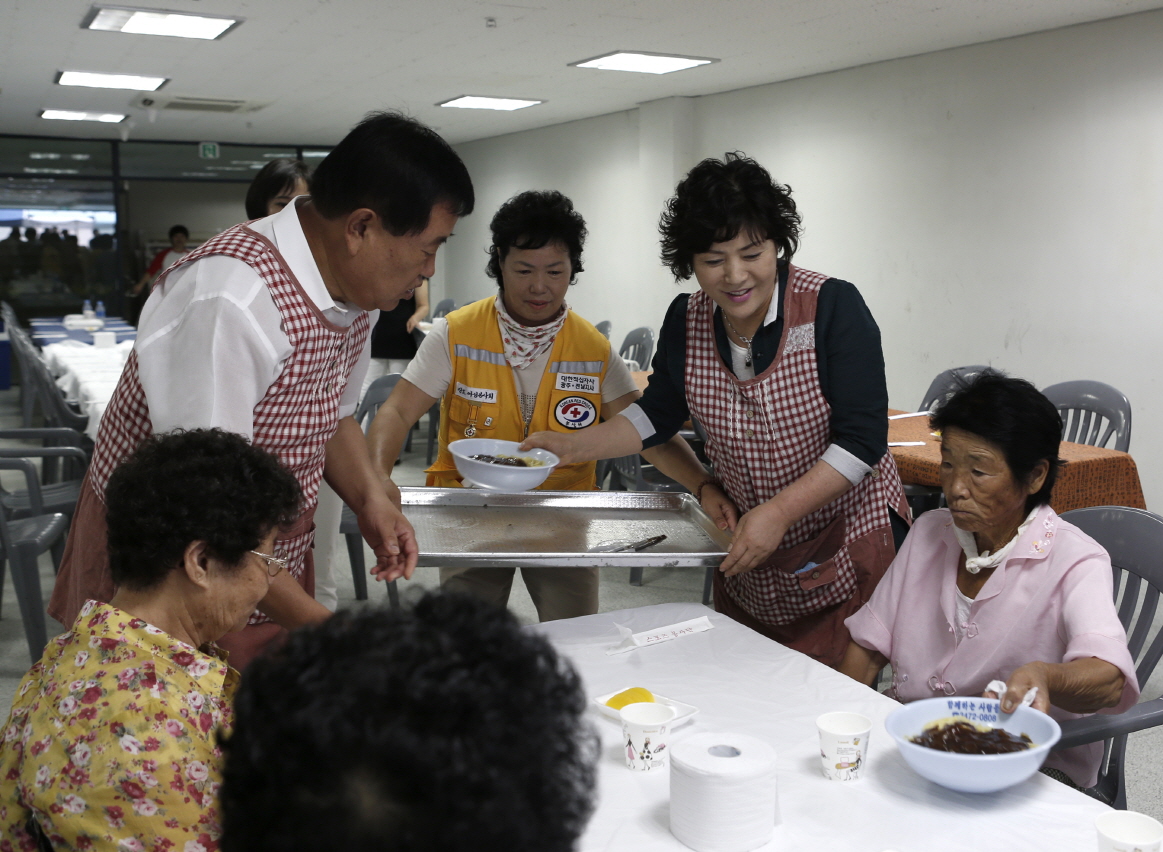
[
  {"x": 533, "y": 220},
  {"x": 395, "y": 166},
  {"x": 185, "y": 486},
  {"x": 444, "y": 728},
  {"x": 275, "y": 178},
  {"x": 1014, "y": 416},
  {"x": 718, "y": 200}
]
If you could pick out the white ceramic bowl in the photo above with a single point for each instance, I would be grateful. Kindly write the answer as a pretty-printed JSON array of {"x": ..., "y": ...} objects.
[
  {"x": 972, "y": 773},
  {"x": 499, "y": 477}
]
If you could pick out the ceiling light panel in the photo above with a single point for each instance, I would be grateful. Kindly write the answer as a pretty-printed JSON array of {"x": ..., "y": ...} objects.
[
  {"x": 122, "y": 19},
  {"x": 643, "y": 63},
  {"x": 72, "y": 115},
  {"x": 479, "y": 102},
  {"x": 110, "y": 81}
]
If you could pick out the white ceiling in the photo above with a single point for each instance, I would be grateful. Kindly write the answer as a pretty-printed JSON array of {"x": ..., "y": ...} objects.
[{"x": 321, "y": 64}]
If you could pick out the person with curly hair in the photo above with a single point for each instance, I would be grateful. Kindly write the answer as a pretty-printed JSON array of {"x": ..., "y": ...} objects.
[
  {"x": 783, "y": 369},
  {"x": 443, "y": 728},
  {"x": 263, "y": 331},
  {"x": 510, "y": 364},
  {"x": 112, "y": 742}
]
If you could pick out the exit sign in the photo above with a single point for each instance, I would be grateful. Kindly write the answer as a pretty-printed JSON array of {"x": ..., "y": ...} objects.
[{"x": 208, "y": 150}]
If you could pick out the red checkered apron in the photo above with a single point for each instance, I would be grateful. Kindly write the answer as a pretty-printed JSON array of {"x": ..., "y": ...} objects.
[
  {"x": 299, "y": 412},
  {"x": 767, "y": 432}
]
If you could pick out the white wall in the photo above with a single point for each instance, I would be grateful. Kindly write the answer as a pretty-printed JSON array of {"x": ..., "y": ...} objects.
[{"x": 1000, "y": 203}]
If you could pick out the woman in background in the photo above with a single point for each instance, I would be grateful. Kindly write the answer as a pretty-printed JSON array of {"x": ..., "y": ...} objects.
[
  {"x": 273, "y": 188},
  {"x": 396, "y": 337}
]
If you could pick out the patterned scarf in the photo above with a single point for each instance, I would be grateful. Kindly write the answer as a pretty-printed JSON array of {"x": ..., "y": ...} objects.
[{"x": 524, "y": 344}]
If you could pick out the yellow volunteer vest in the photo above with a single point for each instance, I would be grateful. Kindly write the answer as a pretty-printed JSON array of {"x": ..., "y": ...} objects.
[{"x": 482, "y": 400}]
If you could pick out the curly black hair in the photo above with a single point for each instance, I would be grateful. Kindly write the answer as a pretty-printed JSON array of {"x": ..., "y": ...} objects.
[
  {"x": 275, "y": 178},
  {"x": 533, "y": 220},
  {"x": 396, "y": 166},
  {"x": 1014, "y": 416},
  {"x": 197, "y": 485},
  {"x": 444, "y": 728},
  {"x": 718, "y": 200}
]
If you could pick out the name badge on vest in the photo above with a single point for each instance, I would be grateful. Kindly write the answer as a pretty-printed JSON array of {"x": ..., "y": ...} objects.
[
  {"x": 475, "y": 394},
  {"x": 575, "y": 412},
  {"x": 576, "y": 383}
]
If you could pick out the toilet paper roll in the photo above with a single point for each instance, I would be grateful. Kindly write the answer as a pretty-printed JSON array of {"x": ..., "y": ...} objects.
[{"x": 723, "y": 792}]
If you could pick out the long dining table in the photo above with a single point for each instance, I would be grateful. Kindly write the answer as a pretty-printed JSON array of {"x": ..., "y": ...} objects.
[
  {"x": 742, "y": 682},
  {"x": 1091, "y": 476}
]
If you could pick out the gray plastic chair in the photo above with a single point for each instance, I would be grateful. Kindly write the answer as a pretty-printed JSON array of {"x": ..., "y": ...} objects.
[
  {"x": 946, "y": 383},
  {"x": 60, "y": 486},
  {"x": 1134, "y": 540},
  {"x": 605, "y": 326},
  {"x": 23, "y": 541},
  {"x": 22, "y": 349},
  {"x": 443, "y": 308},
  {"x": 922, "y": 498},
  {"x": 1092, "y": 413},
  {"x": 377, "y": 394},
  {"x": 639, "y": 346}
]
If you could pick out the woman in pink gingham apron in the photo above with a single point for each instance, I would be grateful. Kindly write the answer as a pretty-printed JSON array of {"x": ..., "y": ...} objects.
[{"x": 783, "y": 370}]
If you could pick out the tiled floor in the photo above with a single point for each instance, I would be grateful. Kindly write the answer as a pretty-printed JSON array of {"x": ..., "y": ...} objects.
[{"x": 1144, "y": 768}]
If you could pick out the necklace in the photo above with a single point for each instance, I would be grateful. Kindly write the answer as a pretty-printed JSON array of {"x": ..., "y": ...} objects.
[{"x": 747, "y": 340}]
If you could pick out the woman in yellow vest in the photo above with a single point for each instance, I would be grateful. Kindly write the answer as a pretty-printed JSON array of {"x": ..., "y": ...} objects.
[{"x": 510, "y": 365}]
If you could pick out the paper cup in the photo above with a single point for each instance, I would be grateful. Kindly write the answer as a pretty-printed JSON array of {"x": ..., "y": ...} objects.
[
  {"x": 645, "y": 729},
  {"x": 1127, "y": 831},
  {"x": 104, "y": 339},
  {"x": 843, "y": 744}
]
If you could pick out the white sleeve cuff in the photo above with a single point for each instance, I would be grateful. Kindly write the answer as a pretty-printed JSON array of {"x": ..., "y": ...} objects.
[
  {"x": 638, "y": 417},
  {"x": 846, "y": 464}
]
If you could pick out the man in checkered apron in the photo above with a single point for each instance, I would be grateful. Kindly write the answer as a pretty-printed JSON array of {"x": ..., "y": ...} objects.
[
  {"x": 783, "y": 369},
  {"x": 263, "y": 331}
]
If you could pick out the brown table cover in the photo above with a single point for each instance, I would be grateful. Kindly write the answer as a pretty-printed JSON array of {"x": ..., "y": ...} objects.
[{"x": 1091, "y": 476}]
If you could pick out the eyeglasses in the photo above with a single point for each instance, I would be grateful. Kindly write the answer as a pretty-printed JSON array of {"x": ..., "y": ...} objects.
[{"x": 274, "y": 564}]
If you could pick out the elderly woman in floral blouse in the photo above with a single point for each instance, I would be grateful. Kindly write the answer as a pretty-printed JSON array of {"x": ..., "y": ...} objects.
[{"x": 112, "y": 741}]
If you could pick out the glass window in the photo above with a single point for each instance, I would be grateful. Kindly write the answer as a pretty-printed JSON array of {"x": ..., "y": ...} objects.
[
  {"x": 186, "y": 160},
  {"x": 33, "y": 156}
]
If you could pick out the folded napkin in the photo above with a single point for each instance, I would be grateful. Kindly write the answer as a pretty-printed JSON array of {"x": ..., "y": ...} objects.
[{"x": 999, "y": 686}]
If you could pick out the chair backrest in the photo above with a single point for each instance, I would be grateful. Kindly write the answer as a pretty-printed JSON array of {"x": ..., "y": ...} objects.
[
  {"x": 638, "y": 346},
  {"x": 605, "y": 326},
  {"x": 626, "y": 473},
  {"x": 54, "y": 406},
  {"x": 1092, "y": 413},
  {"x": 946, "y": 383},
  {"x": 1134, "y": 540},
  {"x": 443, "y": 308},
  {"x": 377, "y": 394}
]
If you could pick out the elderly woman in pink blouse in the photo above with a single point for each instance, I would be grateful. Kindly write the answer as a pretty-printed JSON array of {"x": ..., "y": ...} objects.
[{"x": 997, "y": 586}]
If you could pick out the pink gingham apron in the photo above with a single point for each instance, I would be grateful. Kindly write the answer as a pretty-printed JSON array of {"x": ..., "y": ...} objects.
[
  {"x": 299, "y": 412},
  {"x": 767, "y": 432}
]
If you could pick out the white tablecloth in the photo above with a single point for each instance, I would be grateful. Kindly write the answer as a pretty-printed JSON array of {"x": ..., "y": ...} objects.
[
  {"x": 87, "y": 374},
  {"x": 743, "y": 682}
]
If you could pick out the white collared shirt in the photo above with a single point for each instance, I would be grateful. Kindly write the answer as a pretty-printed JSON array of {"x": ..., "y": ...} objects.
[{"x": 210, "y": 342}]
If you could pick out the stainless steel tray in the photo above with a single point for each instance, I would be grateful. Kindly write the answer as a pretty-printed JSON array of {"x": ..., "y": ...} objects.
[{"x": 462, "y": 527}]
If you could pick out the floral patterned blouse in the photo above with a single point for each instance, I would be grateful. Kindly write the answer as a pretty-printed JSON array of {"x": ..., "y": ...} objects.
[{"x": 112, "y": 741}]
